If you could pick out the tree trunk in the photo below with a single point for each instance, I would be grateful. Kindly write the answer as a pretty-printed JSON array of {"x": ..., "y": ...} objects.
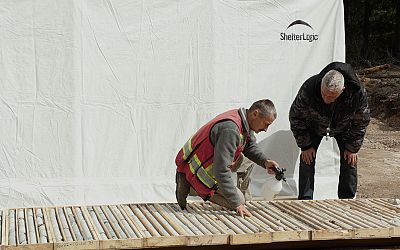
[
  {"x": 366, "y": 31},
  {"x": 396, "y": 44}
]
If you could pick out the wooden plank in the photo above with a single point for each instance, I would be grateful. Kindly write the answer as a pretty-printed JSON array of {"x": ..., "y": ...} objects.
[
  {"x": 5, "y": 231},
  {"x": 121, "y": 244},
  {"x": 76, "y": 245},
  {"x": 16, "y": 227},
  {"x": 3, "y": 228},
  {"x": 164, "y": 241},
  {"x": 30, "y": 247},
  {"x": 329, "y": 234}
]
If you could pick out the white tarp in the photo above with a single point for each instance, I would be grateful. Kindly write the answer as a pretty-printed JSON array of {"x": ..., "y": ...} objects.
[{"x": 97, "y": 97}]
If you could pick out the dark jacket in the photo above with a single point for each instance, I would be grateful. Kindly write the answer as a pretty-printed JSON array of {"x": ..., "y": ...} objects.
[{"x": 347, "y": 117}]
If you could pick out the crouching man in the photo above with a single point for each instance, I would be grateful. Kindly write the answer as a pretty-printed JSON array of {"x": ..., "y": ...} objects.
[{"x": 207, "y": 160}]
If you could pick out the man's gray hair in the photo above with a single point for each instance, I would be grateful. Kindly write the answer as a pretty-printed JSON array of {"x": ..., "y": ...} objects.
[
  {"x": 265, "y": 106},
  {"x": 333, "y": 80}
]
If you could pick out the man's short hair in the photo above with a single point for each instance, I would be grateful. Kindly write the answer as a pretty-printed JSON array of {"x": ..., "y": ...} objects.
[
  {"x": 265, "y": 106},
  {"x": 333, "y": 80}
]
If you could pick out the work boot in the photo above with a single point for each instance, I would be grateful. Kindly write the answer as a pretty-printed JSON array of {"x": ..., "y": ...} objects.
[
  {"x": 182, "y": 189},
  {"x": 243, "y": 182}
]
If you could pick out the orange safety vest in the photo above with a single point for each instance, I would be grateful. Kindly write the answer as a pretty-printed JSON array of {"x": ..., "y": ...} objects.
[{"x": 196, "y": 157}]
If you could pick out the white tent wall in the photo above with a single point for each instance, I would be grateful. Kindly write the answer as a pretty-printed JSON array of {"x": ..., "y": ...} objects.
[{"x": 97, "y": 97}]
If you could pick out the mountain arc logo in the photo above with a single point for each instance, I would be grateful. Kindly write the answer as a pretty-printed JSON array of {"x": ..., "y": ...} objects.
[{"x": 301, "y": 22}]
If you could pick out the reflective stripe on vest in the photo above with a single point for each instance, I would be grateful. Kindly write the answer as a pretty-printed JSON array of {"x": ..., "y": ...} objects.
[
  {"x": 203, "y": 175},
  {"x": 187, "y": 149},
  {"x": 242, "y": 139}
]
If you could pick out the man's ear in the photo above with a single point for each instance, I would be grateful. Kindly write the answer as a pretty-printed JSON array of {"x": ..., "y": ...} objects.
[{"x": 256, "y": 113}]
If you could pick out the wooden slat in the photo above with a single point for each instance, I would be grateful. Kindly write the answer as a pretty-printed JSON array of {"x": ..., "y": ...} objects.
[{"x": 2, "y": 230}]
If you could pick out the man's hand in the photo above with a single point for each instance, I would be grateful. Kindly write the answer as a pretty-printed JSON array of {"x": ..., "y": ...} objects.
[
  {"x": 351, "y": 158},
  {"x": 242, "y": 211},
  {"x": 271, "y": 166},
  {"x": 308, "y": 155}
]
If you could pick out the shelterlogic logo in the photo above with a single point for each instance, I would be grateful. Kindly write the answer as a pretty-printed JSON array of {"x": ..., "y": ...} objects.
[{"x": 303, "y": 32}]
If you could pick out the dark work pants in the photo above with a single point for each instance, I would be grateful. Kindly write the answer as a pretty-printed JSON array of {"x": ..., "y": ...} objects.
[{"x": 347, "y": 179}]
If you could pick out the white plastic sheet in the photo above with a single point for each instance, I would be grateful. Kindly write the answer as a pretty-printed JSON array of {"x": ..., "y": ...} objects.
[{"x": 97, "y": 97}]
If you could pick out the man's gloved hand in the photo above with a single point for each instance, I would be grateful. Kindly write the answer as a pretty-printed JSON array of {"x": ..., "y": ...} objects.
[
  {"x": 242, "y": 211},
  {"x": 271, "y": 165}
]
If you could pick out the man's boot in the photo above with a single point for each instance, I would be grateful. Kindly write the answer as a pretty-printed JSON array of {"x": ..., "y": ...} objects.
[
  {"x": 182, "y": 189},
  {"x": 243, "y": 182}
]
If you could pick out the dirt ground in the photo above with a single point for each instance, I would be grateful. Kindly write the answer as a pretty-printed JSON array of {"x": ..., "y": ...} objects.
[
  {"x": 379, "y": 158},
  {"x": 379, "y": 162}
]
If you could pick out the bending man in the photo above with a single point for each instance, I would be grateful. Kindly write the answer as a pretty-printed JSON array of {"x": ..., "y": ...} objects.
[
  {"x": 332, "y": 103},
  {"x": 205, "y": 162}
]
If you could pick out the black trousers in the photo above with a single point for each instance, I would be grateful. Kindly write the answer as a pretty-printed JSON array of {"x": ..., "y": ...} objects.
[{"x": 347, "y": 179}]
